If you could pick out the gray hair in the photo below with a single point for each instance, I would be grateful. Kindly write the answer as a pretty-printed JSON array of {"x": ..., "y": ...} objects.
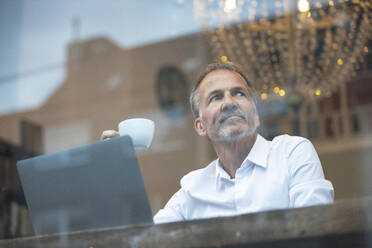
[{"x": 194, "y": 97}]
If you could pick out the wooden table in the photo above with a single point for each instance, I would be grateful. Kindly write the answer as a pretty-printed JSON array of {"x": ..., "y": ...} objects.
[{"x": 343, "y": 224}]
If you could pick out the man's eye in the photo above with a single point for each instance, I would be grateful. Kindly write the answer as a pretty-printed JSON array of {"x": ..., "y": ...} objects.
[
  {"x": 239, "y": 93},
  {"x": 214, "y": 98}
]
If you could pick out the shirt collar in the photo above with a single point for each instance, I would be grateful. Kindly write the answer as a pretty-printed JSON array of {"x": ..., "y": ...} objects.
[
  {"x": 220, "y": 171},
  {"x": 258, "y": 155},
  {"x": 259, "y": 152}
]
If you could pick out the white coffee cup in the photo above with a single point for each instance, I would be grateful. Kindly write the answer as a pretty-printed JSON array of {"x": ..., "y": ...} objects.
[{"x": 140, "y": 130}]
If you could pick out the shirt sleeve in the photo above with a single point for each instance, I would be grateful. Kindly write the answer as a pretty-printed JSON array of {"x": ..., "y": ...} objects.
[
  {"x": 172, "y": 211},
  {"x": 307, "y": 185}
]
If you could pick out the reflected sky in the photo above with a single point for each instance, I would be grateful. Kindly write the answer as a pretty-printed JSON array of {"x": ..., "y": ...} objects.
[{"x": 35, "y": 35}]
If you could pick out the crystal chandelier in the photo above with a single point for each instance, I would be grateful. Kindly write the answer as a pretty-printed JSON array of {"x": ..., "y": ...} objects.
[{"x": 292, "y": 48}]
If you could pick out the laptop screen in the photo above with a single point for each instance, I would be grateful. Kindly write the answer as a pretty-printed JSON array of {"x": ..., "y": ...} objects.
[{"x": 92, "y": 186}]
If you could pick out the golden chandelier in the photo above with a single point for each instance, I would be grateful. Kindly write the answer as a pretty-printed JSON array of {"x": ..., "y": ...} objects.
[{"x": 297, "y": 48}]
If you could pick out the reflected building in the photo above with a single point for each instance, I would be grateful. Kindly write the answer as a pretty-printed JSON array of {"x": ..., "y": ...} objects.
[{"x": 105, "y": 84}]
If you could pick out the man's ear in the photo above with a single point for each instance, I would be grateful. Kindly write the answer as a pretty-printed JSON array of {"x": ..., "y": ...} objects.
[
  {"x": 199, "y": 128},
  {"x": 258, "y": 120}
]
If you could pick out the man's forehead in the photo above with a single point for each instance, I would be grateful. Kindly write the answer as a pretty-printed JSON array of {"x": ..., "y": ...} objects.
[{"x": 222, "y": 80}]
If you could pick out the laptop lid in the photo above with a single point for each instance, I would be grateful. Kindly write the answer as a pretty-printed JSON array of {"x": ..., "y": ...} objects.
[{"x": 91, "y": 186}]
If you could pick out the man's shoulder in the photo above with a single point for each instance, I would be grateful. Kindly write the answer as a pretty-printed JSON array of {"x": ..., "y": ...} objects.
[
  {"x": 288, "y": 143},
  {"x": 198, "y": 176},
  {"x": 286, "y": 138}
]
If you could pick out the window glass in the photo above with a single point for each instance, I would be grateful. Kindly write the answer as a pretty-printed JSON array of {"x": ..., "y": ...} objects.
[{"x": 71, "y": 69}]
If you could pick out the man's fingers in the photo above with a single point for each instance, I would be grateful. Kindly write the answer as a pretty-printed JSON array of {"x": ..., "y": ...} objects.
[{"x": 107, "y": 134}]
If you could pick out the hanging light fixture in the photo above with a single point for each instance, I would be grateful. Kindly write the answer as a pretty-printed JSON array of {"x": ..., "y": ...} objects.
[{"x": 303, "y": 47}]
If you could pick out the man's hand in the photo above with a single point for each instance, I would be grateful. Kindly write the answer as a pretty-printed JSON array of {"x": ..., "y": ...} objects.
[{"x": 108, "y": 134}]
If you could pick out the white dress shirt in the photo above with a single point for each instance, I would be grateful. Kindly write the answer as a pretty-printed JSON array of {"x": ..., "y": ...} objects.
[{"x": 282, "y": 173}]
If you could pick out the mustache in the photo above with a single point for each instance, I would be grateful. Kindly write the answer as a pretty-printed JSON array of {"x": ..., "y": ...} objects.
[{"x": 229, "y": 113}]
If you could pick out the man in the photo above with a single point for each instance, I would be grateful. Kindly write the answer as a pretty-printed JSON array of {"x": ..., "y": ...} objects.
[{"x": 251, "y": 174}]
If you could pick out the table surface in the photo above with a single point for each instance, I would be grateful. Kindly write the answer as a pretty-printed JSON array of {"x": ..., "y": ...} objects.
[{"x": 345, "y": 223}]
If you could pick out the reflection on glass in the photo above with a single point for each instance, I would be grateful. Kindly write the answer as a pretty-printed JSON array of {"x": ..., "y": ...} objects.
[{"x": 66, "y": 76}]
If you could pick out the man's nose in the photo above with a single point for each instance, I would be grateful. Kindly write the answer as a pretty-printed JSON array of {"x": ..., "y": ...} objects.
[{"x": 228, "y": 103}]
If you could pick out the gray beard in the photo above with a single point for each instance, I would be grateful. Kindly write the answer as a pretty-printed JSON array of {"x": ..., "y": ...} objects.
[
  {"x": 227, "y": 136},
  {"x": 224, "y": 135}
]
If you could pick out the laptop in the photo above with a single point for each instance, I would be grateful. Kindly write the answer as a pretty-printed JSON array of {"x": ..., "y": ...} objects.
[{"x": 92, "y": 186}]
